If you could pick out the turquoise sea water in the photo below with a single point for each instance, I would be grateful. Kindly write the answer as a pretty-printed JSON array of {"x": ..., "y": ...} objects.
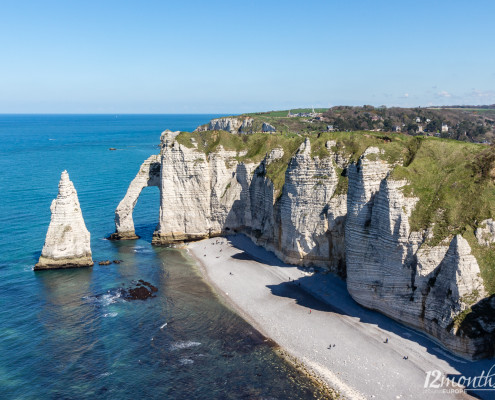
[{"x": 66, "y": 334}]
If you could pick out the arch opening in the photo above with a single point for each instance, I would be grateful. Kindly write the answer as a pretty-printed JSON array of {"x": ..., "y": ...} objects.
[{"x": 148, "y": 175}]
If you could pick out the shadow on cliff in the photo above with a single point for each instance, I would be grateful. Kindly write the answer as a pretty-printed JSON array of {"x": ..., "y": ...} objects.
[{"x": 327, "y": 292}]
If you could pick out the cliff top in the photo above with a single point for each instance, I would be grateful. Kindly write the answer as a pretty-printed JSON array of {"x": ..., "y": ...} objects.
[{"x": 453, "y": 180}]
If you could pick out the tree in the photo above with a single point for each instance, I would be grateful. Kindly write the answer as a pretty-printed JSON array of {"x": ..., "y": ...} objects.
[
  {"x": 388, "y": 126},
  {"x": 434, "y": 125},
  {"x": 412, "y": 128}
]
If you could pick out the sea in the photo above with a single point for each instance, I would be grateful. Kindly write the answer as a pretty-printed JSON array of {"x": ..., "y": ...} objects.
[{"x": 69, "y": 334}]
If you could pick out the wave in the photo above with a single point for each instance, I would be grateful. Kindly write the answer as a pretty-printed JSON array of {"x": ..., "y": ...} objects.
[
  {"x": 186, "y": 361},
  {"x": 111, "y": 297},
  {"x": 183, "y": 345},
  {"x": 111, "y": 315}
]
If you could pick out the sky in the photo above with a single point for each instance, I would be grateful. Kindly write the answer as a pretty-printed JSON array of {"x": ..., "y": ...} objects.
[{"x": 215, "y": 56}]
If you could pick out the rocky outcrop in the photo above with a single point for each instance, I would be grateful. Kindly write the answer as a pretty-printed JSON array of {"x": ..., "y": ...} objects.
[
  {"x": 67, "y": 242},
  {"x": 229, "y": 124},
  {"x": 266, "y": 127},
  {"x": 201, "y": 196},
  {"x": 148, "y": 175},
  {"x": 305, "y": 212},
  {"x": 485, "y": 233},
  {"x": 363, "y": 234}
]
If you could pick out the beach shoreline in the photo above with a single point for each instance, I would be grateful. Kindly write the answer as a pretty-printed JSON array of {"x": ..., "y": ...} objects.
[
  {"x": 304, "y": 368},
  {"x": 310, "y": 315}
]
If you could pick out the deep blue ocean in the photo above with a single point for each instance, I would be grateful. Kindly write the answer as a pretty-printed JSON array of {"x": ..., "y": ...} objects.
[{"x": 66, "y": 334}]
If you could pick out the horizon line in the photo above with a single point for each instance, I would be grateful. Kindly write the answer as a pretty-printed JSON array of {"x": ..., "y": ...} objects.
[{"x": 236, "y": 113}]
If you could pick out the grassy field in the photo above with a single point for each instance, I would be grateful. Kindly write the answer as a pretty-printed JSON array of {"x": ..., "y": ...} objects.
[{"x": 284, "y": 113}]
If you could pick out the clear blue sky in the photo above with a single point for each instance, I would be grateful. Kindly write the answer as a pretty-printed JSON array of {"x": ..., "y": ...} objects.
[{"x": 232, "y": 56}]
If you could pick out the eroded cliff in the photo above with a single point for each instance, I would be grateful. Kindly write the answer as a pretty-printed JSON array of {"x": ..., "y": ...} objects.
[
  {"x": 359, "y": 205},
  {"x": 67, "y": 242}
]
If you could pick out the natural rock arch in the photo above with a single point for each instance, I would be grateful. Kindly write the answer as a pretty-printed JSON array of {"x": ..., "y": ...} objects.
[{"x": 148, "y": 175}]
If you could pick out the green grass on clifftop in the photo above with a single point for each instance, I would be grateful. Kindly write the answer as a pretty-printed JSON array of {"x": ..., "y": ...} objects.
[
  {"x": 454, "y": 183},
  {"x": 452, "y": 194},
  {"x": 257, "y": 146}
]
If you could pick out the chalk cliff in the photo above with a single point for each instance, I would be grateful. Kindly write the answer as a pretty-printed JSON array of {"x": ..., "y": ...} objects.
[
  {"x": 393, "y": 270},
  {"x": 148, "y": 175},
  {"x": 266, "y": 127},
  {"x": 229, "y": 124},
  {"x": 67, "y": 242},
  {"x": 362, "y": 232}
]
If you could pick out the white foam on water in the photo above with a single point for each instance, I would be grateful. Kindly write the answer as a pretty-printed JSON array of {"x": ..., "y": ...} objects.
[
  {"x": 163, "y": 326},
  {"x": 184, "y": 345},
  {"x": 111, "y": 315},
  {"x": 109, "y": 298},
  {"x": 186, "y": 361},
  {"x": 104, "y": 299},
  {"x": 141, "y": 249}
]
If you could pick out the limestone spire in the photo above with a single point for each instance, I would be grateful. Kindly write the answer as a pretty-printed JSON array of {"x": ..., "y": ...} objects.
[{"x": 67, "y": 242}]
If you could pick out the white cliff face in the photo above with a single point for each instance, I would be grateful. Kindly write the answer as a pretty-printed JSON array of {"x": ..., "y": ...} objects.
[
  {"x": 229, "y": 124},
  {"x": 456, "y": 286},
  {"x": 67, "y": 242},
  {"x": 393, "y": 270},
  {"x": 148, "y": 175},
  {"x": 485, "y": 234},
  {"x": 305, "y": 234},
  {"x": 363, "y": 235},
  {"x": 266, "y": 127},
  {"x": 200, "y": 194}
]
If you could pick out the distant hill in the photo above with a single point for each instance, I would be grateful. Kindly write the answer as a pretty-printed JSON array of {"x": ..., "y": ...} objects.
[
  {"x": 491, "y": 107},
  {"x": 466, "y": 123}
]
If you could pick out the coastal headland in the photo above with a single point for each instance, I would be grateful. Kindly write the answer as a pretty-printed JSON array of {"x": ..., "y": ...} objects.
[{"x": 394, "y": 215}]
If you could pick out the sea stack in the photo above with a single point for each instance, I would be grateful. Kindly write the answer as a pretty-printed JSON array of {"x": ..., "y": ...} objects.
[{"x": 67, "y": 242}]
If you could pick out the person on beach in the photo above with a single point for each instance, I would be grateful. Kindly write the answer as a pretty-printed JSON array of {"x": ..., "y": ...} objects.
[{"x": 386, "y": 340}]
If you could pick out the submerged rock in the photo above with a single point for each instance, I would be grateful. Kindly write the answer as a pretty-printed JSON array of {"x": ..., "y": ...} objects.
[
  {"x": 67, "y": 243},
  {"x": 142, "y": 291}
]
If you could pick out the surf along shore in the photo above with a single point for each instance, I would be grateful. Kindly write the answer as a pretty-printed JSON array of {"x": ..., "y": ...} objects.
[{"x": 358, "y": 352}]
